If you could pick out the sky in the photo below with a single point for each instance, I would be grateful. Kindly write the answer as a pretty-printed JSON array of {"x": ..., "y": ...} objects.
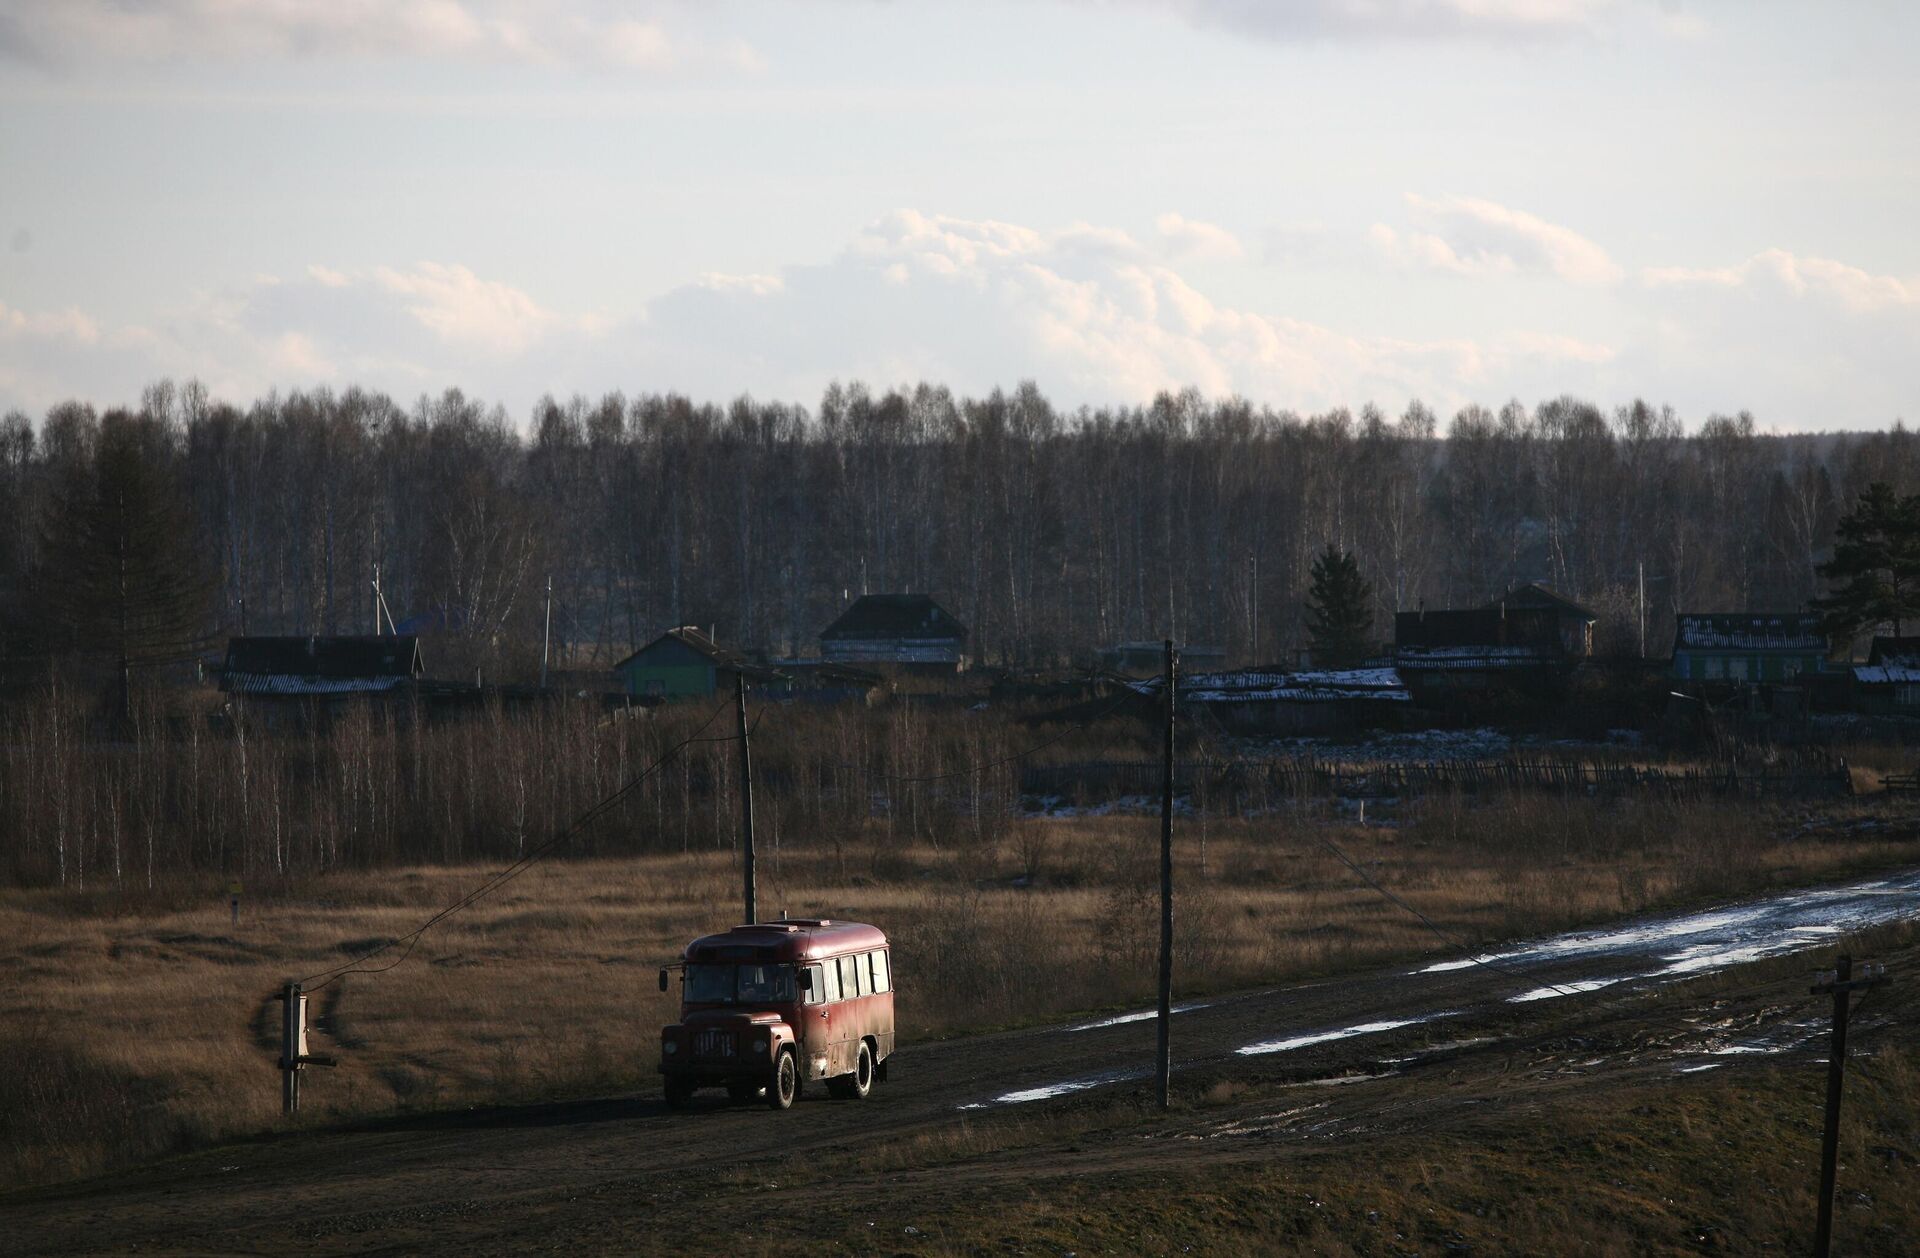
[{"x": 1310, "y": 205}]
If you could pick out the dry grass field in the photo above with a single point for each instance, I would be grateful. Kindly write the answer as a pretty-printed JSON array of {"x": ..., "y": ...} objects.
[{"x": 140, "y": 1023}]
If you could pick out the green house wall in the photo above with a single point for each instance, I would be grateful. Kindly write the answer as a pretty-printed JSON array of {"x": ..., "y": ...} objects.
[{"x": 1760, "y": 665}]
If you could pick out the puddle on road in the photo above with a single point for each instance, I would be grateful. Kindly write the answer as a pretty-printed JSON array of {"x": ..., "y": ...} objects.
[
  {"x": 1140, "y": 1015},
  {"x": 1048, "y": 1091},
  {"x": 1571, "y": 988},
  {"x": 1322, "y": 1037},
  {"x": 1694, "y": 943}
]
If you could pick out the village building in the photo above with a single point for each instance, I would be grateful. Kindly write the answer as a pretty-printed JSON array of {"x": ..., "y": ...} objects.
[
  {"x": 301, "y": 682},
  {"x": 1748, "y": 648},
  {"x": 908, "y": 631},
  {"x": 1446, "y": 655},
  {"x": 1142, "y": 659},
  {"x": 1273, "y": 702},
  {"x": 685, "y": 663},
  {"x": 1888, "y": 684},
  {"x": 1575, "y": 623},
  {"x": 316, "y": 667}
]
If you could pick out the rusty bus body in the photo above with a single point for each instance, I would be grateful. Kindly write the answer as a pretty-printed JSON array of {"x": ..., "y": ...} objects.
[{"x": 773, "y": 1006}]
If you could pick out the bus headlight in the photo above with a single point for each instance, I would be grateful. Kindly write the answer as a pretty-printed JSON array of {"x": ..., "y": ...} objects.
[
  {"x": 759, "y": 1043},
  {"x": 670, "y": 1047}
]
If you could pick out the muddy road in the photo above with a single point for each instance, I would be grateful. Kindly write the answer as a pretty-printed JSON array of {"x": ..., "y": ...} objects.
[{"x": 595, "y": 1171}]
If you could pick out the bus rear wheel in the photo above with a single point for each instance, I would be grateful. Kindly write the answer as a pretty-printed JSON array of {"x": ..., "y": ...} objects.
[
  {"x": 854, "y": 1087},
  {"x": 785, "y": 1084}
]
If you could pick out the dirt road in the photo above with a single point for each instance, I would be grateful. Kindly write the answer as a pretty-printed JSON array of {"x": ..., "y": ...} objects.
[{"x": 588, "y": 1172}]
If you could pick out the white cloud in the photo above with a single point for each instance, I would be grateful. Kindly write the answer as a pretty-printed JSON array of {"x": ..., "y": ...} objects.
[
  {"x": 1189, "y": 238},
  {"x": 1797, "y": 277},
  {"x": 1472, "y": 236},
  {"x": 1396, "y": 19},
  {"x": 593, "y": 33},
  {"x": 68, "y": 325},
  {"x": 1085, "y": 311},
  {"x": 465, "y": 310}
]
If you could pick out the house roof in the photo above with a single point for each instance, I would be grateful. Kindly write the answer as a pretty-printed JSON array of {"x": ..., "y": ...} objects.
[
  {"x": 1749, "y": 631},
  {"x": 1533, "y": 594},
  {"x": 720, "y": 656},
  {"x": 1887, "y": 650},
  {"x": 320, "y": 665},
  {"x": 1270, "y": 685},
  {"x": 1477, "y": 627},
  {"x": 895, "y": 616}
]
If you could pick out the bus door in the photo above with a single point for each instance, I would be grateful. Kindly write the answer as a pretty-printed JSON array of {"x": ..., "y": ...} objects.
[{"x": 826, "y": 1017}]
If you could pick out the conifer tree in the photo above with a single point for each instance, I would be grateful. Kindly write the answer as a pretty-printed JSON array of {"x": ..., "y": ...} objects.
[
  {"x": 122, "y": 573},
  {"x": 1875, "y": 565},
  {"x": 1339, "y": 619}
]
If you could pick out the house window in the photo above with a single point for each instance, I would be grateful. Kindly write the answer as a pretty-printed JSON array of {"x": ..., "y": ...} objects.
[
  {"x": 1737, "y": 669},
  {"x": 653, "y": 686},
  {"x": 1906, "y": 696},
  {"x": 1789, "y": 669},
  {"x": 1716, "y": 668}
]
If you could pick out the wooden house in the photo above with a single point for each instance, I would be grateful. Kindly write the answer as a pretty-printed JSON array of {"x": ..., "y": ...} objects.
[
  {"x": 1748, "y": 648},
  {"x": 1255, "y": 702},
  {"x": 1888, "y": 684},
  {"x": 908, "y": 631},
  {"x": 315, "y": 667},
  {"x": 685, "y": 663},
  {"x": 1574, "y": 622},
  {"x": 1442, "y": 655}
]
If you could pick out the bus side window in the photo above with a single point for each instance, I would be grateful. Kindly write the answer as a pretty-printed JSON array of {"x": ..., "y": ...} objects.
[
  {"x": 817, "y": 992},
  {"x": 830, "y": 983},
  {"x": 882, "y": 981},
  {"x": 850, "y": 985}
]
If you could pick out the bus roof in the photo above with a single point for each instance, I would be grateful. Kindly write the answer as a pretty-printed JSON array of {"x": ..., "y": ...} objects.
[{"x": 801, "y": 939}]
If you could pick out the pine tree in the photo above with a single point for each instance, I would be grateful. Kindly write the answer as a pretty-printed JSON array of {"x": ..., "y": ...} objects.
[
  {"x": 1339, "y": 619},
  {"x": 1876, "y": 565},
  {"x": 121, "y": 573}
]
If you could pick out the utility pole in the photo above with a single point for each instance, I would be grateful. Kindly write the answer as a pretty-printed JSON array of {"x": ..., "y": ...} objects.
[
  {"x": 1163, "y": 1068},
  {"x": 1641, "y": 567},
  {"x": 746, "y": 792},
  {"x": 1842, "y": 984},
  {"x": 546, "y": 635},
  {"x": 377, "y": 600}
]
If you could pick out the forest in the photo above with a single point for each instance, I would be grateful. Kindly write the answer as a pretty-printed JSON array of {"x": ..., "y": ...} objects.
[{"x": 1050, "y": 534}]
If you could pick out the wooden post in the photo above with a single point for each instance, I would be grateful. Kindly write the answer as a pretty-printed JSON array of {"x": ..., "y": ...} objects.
[
  {"x": 746, "y": 794},
  {"x": 1842, "y": 984},
  {"x": 293, "y": 1045},
  {"x": 1163, "y": 1067}
]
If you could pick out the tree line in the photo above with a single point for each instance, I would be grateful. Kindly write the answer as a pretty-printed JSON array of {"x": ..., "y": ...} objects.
[{"x": 1049, "y": 533}]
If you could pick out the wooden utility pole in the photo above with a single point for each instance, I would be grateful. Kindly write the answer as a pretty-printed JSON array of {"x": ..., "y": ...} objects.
[
  {"x": 546, "y": 635},
  {"x": 1842, "y": 984},
  {"x": 746, "y": 793},
  {"x": 293, "y": 1046},
  {"x": 1163, "y": 1067}
]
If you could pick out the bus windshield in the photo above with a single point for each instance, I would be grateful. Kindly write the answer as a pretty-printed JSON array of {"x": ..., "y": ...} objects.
[{"x": 740, "y": 984}]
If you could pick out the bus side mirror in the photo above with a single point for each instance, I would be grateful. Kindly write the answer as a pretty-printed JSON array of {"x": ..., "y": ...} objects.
[
  {"x": 663, "y": 978},
  {"x": 805, "y": 979}
]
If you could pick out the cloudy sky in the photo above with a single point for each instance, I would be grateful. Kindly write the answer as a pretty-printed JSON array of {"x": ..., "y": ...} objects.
[{"x": 1309, "y": 204}]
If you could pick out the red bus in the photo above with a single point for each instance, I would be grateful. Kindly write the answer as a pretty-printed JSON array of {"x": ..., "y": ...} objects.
[{"x": 771, "y": 1007}]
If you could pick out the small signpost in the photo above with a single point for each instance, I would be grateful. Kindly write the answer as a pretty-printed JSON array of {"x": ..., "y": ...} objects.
[
  {"x": 293, "y": 1046},
  {"x": 233, "y": 899}
]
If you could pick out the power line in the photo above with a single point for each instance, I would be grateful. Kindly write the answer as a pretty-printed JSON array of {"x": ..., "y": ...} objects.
[{"x": 358, "y": 964}]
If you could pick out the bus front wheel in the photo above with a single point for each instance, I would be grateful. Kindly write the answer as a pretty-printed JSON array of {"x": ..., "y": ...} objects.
[
  {"x": 678, "y": 1093},
  {"x": 785, "y": 1084}
]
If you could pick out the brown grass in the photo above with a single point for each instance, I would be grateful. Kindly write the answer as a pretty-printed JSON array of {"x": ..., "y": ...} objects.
[{"x": 146, "y": 1020}]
